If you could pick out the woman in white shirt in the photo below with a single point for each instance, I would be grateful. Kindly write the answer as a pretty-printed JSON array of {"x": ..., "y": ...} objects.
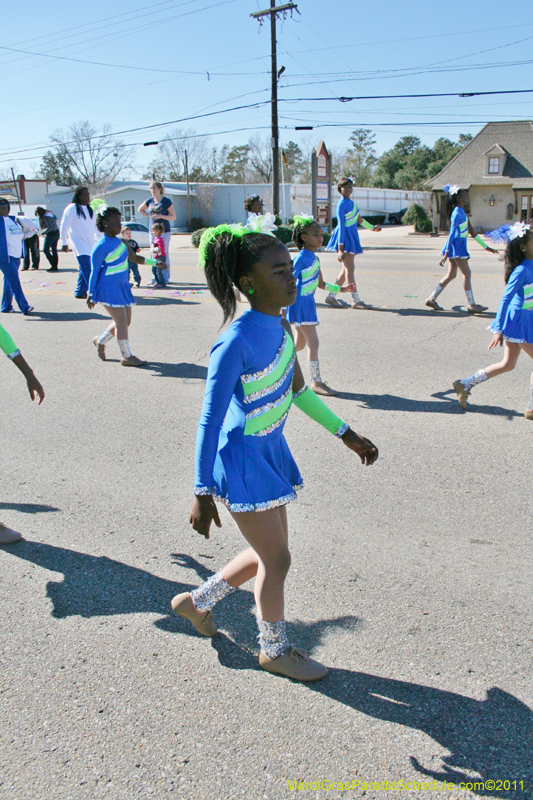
[
  {"x": 78, "y": 222},
  {"x": 11, "y": 236}
]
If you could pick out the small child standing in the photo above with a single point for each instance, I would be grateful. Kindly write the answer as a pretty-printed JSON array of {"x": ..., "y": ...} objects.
[
  {"x": 308, "y": 237},
  {"x": 158, "y": 251},
  {"x": 133, "y": 269}
]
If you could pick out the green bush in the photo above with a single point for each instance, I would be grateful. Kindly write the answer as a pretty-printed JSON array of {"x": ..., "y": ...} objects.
[
  {"x": 379, "y": 219},
  {"x": 415, "y": 215},
  {"x": 196, "y": 224},
  {"x": 278, "y": 221},
  {"x": 327, "y": 237},
  {"x": 284, "y": 233},
  {"x": 197, "y": 235}
]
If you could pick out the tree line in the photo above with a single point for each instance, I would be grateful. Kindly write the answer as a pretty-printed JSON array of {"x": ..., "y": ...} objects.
[{"x": 83, "y": 154}]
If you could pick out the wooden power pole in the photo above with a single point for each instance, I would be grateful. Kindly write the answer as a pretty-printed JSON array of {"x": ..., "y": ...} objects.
[{"x": 273, "y": 12}]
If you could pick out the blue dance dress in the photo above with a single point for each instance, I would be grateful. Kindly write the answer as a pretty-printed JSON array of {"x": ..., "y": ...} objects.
[
  {"x": 242, "y": 458},
  {"x": 306, "y": 268},
  {"x": 515, "y": 312},
  {"x": 346, "y": 231},
  {"x": 456, "y": 242},
  {"x": 109, "y": 281}
]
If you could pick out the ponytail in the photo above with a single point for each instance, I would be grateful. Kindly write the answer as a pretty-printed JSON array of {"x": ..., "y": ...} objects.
[{"x": 513, "y": 256}]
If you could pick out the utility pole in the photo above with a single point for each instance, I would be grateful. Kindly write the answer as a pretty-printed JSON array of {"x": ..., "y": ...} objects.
[
  {"x": 273, "y": 12},
  {"x": 188, "y": 189}
]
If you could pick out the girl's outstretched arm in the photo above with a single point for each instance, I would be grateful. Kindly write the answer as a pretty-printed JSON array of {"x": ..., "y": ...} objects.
[
  {"x": 8, "y": 346},
  {"x": 479, "y": 240}
]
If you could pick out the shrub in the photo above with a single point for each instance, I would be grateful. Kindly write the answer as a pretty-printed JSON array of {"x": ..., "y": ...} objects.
[
  {"x": 416, "y": 215},
  {"x": 284, "y": 233},
  {"x": 197, "y": 235},
  {"x": 196, "y": 224},
  {"x": 278, "y": 221},
  {"x": 327, "y": 237}
]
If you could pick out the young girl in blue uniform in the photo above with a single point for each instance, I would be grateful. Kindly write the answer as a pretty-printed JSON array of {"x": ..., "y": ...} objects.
[
  {"x": 513, "y": 326},
  {"x": 455, "y": 248},
  {"x": 345, "y": 241},
  {"x": 308, "y": 237},
  {"x": 242, "y": 458},
  {"x": 109, "y": 284}
]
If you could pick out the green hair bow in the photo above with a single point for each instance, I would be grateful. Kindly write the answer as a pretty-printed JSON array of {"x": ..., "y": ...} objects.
[
  {"x": 258, "y": 223},
  {"x": 302, "y": 219}
]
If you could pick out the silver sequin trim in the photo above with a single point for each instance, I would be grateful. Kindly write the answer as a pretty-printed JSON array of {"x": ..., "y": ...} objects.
[
  {"x": 14, "y": 354},
  {"x": 256, "y": 376},
  {"x": 298, "y": 324},
  {"x": 516, "y": 341},
  {"x": 272, "y": 427},
  {"x": 273, "y": 639},
  {"x": 202, "y": 490},
  {"x": 209, "y": 593},
  {"x": 257, "y": 412},
  {"x": 300, "y": 393},
  {"x": 273, "y": 387},
  {"x": 241, "y": 508},
  {"x": 343, "y": 428}
]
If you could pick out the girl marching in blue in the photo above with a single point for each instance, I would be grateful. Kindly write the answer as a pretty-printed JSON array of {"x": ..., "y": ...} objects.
[
  {"x": 345, "y": 241},
  {"x": 513, "y": 326},
  {"x": 455, "y": 248},
  {"x": 308, "y": 237},
  {"x": 109, "y": 284},
  {"x": 242, "y": 458}
]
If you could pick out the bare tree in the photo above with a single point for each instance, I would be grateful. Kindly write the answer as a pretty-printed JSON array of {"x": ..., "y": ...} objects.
[
  {"x": 205, "y": 194},
  {"x": 260, "y": 159},
  {"x": 169, "y": 164},
  {"x": 83, "y": 154}
]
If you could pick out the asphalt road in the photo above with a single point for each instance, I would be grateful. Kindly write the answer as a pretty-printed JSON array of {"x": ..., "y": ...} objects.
[{"x": 410, "y": 579}]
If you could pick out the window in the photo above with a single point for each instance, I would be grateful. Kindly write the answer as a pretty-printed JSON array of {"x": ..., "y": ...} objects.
[
  {"x": 127, "y": 209},
  {"x": 494, "y": 165}
]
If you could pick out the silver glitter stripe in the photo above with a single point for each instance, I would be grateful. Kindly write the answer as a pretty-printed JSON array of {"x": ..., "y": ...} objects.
[
  {"x": 516, "y": 341},
  {"x": 256, "y": 376},
  {"x": 296, "y": 395},
  {"x": 298, "y": 324},
  {"x": 202, "y": 490},
  {"x": 272, "y": 427},
  {"x": 241, "y": 508},
  {"x": 14, "y": 354},
  {"x": 251, "y": 398},
  {"x": 209, "y": 593},
  {"x": 343, "y": 428},
  {"x": 258, "y": 412},
  {"x": 273, "y": 639}
]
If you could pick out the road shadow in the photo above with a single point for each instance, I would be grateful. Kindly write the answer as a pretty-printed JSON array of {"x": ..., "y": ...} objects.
[
  {"x": 492, "y": 738},
  {"x": 445, "y": 403},
  {"x": 164, "y": 300},
  {"x": 184, "y": 370},
  {"x": 65, "y": 316},
  {"x": 28, "y": 508}
]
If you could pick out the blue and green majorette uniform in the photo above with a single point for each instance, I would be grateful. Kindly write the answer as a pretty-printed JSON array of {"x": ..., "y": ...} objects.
[
  {"x": 346, "y": 231},
  {"x": 306, "y": 267},
  {"x": 242, "y": 458},
  {"x": 455, "y": 245},
  {"x": 515, "y": 313},
  {"x": 109, "y": 282}
]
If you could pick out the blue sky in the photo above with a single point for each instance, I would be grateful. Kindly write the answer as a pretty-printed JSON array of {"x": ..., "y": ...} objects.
[{"x": 174, "y": 59}]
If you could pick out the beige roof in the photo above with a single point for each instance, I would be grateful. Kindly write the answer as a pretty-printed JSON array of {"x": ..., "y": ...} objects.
[{"x": 467, "y": 168}]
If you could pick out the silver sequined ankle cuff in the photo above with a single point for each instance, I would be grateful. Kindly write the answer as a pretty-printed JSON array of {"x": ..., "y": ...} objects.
[
  {"x": 272, "y": 637},
  {"x": 209, "y": 593}
]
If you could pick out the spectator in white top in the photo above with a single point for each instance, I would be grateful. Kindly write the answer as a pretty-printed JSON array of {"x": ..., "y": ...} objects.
[
  {"x": 10, "y": 252},
  {"x": 31, "y": 241},
  {"x": 79, "y": 223}
]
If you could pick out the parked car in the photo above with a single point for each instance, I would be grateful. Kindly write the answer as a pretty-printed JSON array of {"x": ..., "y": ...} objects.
[
  {"x": 396, "y": 217},
  {"x": 140, "y": 233}
]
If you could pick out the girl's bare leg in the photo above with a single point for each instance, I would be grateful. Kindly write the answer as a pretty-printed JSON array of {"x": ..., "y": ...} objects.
[
  {"x": 300, "y": 341},
  {"x": 511, "y": 351},
  {"x": 313, "y": 365},
  {"x": 528, "y": 348},
  {"x": 120, "y": 320}
]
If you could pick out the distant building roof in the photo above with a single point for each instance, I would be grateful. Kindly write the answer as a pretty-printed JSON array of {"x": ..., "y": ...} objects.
[{"x": 468, "y": 167}]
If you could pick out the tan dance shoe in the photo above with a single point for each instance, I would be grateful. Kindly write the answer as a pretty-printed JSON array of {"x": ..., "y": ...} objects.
[
  {"x": 183, "y": 606},
  {"x": 295, "y": 664}
]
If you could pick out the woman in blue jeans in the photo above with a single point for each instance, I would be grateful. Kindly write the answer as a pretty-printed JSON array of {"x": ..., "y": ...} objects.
[
  {"x": 11, "y": 236},
  {"x": 50, "y": 229}
]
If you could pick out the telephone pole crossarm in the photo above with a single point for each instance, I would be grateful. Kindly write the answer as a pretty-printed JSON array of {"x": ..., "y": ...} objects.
[{"x": 267, "y": 11}]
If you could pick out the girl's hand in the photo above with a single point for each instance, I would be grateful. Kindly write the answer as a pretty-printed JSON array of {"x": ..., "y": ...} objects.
[
  {"x": 376, "y": 228},
  {"x": 35, "y": 388},
  {"x": 367, "y": 452},
  {"x": 496, "y": 339},
  {"x": 349, "y": 288},
  {"x": 90, "y": 303},
  {"x": 340, "y": 257},
  {"x": 203, "y": 513},
  {"x": 491, "y": 250},
  {"x": 442, "y": 263}
]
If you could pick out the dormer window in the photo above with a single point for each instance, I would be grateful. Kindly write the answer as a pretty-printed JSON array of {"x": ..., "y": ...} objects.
[
  {"x": 495, "y": 159},
  {"x": 494, "y": 165}
]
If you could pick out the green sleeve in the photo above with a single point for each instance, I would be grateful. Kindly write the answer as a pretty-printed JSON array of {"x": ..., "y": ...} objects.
[
  {"x": 480, "y": 241},
  {"x": 7, "y": 344},
  {"x": 150, "y": 262},
  {"x": 308, "y": 402},
  {"x": 366, "y": 224},
  {"x": 333, "y": 288}
]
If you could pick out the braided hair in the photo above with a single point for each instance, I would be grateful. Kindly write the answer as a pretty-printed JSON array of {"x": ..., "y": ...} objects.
[
  {"x": 79, "y": 207},
  {"x": 300, "y": 225},
  {"x": 227, "y": 257},
  {"x": 104, "y": 215}
]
